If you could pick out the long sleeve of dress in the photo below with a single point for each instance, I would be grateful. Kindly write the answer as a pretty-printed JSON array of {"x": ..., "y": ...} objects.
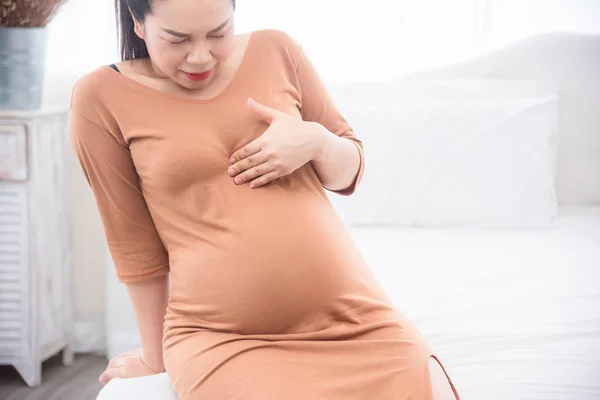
[
  {"x": 318, "y": 106},
  {"x": 133, "y": 241}
]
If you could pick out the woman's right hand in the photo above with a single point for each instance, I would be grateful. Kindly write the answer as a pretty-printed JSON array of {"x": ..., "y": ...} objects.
[{"x": 130, "y": 364}]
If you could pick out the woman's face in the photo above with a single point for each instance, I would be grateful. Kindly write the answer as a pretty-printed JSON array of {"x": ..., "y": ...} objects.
[{"x": 186, "y": 38}]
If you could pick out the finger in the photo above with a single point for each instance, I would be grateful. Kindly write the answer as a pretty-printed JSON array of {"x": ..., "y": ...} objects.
[
  {"x": 118, "y": 359},
  {"x": 249, "y": 162},
  {"x": 266, "y": 113},
  {"x": 115, "y": 362},
  {"x": 246, "y": 164},
  {"x": 253, "y": 173},
  {"x": 109, "y": 374},
  {"x": 246, "y": 151},
  {"x": 264, "y": 179}
]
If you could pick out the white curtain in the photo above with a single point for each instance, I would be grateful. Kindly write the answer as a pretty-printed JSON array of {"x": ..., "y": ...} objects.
[{"x": 348, "y": 40}]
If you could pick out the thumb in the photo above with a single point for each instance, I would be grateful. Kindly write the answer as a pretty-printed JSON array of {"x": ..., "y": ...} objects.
[
  {"x": 109, "y": 374},
  {"x": 266, "y": 113}
]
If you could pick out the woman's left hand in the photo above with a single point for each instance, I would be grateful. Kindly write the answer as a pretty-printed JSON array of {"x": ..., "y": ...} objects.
[
  {"x": 285, "y": 146},
  {"x": 130, "y": 364}
]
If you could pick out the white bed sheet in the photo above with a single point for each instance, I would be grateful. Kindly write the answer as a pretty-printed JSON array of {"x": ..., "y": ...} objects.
[{"x": 513, "y": 314}]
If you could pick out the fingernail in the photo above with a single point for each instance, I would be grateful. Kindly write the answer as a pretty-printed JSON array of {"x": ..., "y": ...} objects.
[
  {"x": 252, "y": 186},
  {"x": 237, "y": 180},
  {"x": 231, "y": 171},
  {"x": 231, "y": 160}
]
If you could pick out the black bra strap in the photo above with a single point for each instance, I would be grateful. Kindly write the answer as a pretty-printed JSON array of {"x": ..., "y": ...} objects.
[{"x": 113, "y": 66}]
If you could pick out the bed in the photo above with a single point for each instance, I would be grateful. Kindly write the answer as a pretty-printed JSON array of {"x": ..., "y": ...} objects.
[
  {"x": 513, "y": 314},
  {"x": 512, "y": 309}
]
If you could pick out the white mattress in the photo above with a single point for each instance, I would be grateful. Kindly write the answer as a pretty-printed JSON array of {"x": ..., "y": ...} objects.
[{"x": 513, "y": 314}]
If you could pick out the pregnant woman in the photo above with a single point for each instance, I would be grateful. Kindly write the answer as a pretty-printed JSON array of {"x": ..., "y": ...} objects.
[{"x": 209, "y": 154}]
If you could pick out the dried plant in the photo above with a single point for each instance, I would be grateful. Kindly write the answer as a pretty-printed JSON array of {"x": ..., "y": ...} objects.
[{"x": 27, "y": 13}]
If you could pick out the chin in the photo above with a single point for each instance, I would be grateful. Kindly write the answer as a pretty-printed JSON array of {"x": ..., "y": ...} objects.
[{"x": 191, "y": 85}]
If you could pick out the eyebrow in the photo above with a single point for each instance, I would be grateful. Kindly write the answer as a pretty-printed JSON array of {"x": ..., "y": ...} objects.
[{"x": 181, "y": 34}]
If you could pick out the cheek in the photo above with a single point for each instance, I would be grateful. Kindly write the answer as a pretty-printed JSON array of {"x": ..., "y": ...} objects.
[
  {"x": 223, "y": 50},
  {"x": 165, "y": 54}
]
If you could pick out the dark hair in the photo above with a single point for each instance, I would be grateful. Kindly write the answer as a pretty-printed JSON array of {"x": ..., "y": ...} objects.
[{"x": 131, "y": 46}]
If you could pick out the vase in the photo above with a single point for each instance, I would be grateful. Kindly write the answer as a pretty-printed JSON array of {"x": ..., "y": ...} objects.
[{"x": 22, "y": 58}]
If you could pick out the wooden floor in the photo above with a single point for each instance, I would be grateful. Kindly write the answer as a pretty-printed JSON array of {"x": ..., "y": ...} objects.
[{"x": 76, "y": 382}]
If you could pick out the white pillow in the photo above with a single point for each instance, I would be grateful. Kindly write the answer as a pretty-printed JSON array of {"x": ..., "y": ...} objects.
[
  {"x": 411, "y": 89},
  {"x": 426, "y": 88},
  {"x": 456, "y": 162}
]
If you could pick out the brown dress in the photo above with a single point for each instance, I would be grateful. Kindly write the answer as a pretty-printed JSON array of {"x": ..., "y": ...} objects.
[{"x": 270, "y": 298}]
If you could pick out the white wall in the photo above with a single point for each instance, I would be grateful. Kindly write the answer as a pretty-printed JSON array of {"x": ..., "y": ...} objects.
[
  {"x": 79, "y": 39},
  {"x": 514, "y": 19},
  {"x": 369, "y": 40}
]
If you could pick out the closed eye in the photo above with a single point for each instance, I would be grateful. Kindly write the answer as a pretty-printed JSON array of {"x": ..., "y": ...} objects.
[
  {"x": 225, "y": 32},
  {"x": 178, "y": 42}
]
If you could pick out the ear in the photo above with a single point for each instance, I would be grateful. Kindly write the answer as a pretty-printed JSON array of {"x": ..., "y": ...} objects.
[{"x": 137, "y": 27}]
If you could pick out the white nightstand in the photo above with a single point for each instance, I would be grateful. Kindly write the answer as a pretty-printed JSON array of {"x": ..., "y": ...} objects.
[{"x": 35, "y": 301}]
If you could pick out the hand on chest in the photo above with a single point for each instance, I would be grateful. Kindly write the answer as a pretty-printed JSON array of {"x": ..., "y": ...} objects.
[{"x": 192, "y": 144}]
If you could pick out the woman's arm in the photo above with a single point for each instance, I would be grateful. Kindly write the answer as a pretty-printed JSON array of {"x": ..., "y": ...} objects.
[
  {"x": 140, "y": 258},
  {"x": 149, "y": 299},
  {"x": 289, "y": 143},
  {"x": 338, "y": 162},
  {"x": 328, "y": 141}
]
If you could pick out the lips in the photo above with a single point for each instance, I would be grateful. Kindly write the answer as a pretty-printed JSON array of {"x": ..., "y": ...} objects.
[{"x": 198, "y": 76}]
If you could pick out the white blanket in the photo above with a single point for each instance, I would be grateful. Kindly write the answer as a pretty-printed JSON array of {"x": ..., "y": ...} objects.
[{"x": 513, "y": 314}]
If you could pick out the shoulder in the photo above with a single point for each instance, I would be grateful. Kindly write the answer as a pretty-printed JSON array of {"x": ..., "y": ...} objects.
[
  {"x": 276, "y": 36},
  {"x": 93, "y": 99},
  {"x": 280, "y": 42},
  {"x": 90, "y": 84},
  {"x": 91, "y": 90}
]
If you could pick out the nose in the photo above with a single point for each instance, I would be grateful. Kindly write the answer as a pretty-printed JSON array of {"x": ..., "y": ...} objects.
[{"x": 199, "y": 55}]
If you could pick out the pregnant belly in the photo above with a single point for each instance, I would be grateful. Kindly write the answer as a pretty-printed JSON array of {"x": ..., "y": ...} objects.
[{"x": 279, "y": 270}]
